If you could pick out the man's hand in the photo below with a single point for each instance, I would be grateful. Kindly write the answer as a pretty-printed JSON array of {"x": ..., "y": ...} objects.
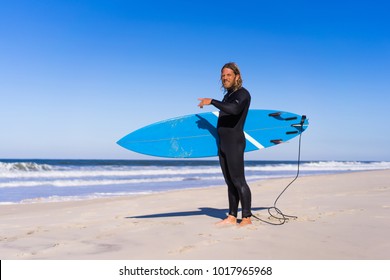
[{"x": 204, "y": 101}]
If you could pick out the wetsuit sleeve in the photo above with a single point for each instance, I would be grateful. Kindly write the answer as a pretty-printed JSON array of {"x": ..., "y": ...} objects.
[{"x": 233, "y": 108}]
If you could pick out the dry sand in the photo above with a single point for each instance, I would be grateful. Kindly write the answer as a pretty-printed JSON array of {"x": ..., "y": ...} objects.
[{"x": 343, "y": 216}]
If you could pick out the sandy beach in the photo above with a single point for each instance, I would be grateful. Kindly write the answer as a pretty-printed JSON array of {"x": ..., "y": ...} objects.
[{"x": 342, "y": 216}]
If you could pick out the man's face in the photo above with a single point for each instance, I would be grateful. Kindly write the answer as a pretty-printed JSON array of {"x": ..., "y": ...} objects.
[{"x": 228, "y": 78}]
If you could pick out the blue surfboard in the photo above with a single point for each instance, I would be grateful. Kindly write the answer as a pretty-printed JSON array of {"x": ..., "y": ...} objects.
[{"x": 195, "y": 136}]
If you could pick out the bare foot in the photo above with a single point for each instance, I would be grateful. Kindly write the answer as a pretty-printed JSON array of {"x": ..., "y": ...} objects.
[
  {"x": 230, "y": 220},
  {"x": 245, "y": 222}
]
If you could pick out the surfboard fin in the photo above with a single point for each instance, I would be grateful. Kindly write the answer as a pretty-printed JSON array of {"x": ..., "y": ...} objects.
[
  {"x": 290, "y": 119},
  {"x": 276, "y": 141},
  {"x": 276, "y": 114},
  {"x": 292, "y": 132}
]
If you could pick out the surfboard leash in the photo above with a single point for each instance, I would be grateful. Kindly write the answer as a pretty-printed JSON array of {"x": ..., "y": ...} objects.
[{"x": 283, "y": 218}]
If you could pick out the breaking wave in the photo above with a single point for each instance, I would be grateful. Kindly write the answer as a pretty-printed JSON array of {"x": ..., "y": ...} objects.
[{"x": 23, "y": 166}]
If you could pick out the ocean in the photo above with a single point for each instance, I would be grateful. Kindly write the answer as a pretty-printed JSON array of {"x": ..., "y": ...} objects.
[{"x": 32, "y": 181}]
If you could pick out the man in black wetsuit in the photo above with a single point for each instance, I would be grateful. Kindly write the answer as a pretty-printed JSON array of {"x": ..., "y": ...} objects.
[{"x": 233, "y": 111}]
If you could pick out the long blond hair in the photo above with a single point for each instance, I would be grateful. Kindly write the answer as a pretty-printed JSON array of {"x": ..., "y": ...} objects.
[{"x": 234, "y": 67}]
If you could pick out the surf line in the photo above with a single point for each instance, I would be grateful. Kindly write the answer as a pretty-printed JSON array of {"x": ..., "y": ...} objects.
[{"x": 247, "y": 136}]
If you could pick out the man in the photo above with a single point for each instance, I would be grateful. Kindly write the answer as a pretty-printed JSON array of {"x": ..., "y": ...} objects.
[{"x": 233, "y": 111}]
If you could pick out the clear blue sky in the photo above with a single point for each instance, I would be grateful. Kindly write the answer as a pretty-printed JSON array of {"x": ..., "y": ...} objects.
[{"x": 75, "y": 76}]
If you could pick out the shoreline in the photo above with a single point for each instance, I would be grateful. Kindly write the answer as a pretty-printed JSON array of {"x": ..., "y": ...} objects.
[{"x": 340, "y": 216}]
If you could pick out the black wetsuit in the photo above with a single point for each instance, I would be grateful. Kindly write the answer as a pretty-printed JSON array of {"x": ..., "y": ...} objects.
[{"x": 233, "y": 111}]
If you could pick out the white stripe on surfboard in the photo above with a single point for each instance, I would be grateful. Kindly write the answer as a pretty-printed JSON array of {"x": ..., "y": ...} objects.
[
  {"x": 253, "y": 141},
  {"x": 247, "y": 136}
]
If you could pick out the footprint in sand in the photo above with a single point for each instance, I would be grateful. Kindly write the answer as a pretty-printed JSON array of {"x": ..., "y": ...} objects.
[{"x": 181, "y": 250}]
